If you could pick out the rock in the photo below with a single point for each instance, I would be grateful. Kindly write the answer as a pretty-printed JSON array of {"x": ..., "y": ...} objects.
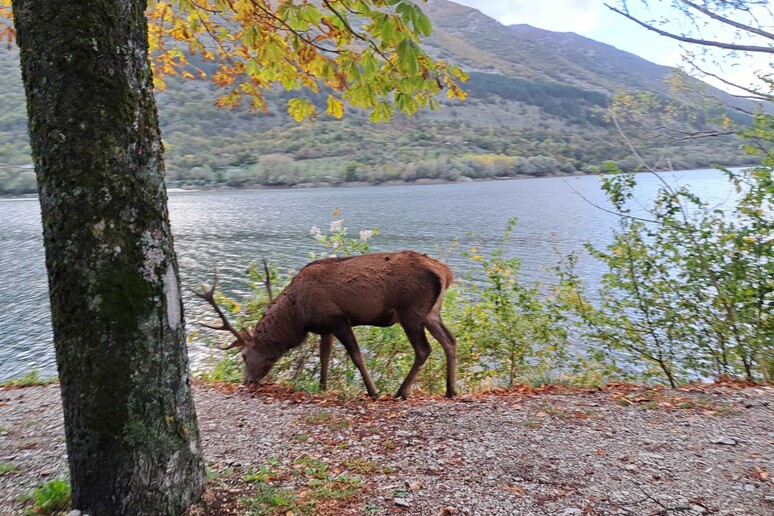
[
  {"x": 402, "y": 502},
  {"x": 571, "y": 510},
  {"x": 724, "y": 440}
]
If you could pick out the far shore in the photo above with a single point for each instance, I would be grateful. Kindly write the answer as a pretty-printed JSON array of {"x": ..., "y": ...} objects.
[{"x": 360, "y": 184}]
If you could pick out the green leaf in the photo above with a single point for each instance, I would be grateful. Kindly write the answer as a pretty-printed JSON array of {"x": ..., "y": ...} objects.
[
  {"x": 301, "y": 109},
  {"x": 335, "y": 107}
]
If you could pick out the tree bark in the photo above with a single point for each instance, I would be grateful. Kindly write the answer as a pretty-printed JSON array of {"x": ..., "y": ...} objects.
[{"x": 132, "y": 439}]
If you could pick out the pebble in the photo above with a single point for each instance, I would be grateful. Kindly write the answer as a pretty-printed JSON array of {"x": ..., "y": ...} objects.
[
  {"x": 488, "y": 455},
  {"x": 402, "y": 502},
  {"x": 724, "y": 440}
]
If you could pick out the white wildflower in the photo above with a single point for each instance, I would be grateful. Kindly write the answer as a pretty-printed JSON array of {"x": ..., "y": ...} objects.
[
  {"x": 366, "y": 234},
  {"x": 337, "y": 225},
  {"x": 317, "y": 234}
]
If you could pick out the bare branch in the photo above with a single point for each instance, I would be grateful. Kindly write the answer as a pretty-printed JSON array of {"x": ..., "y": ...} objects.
[
  {"x": 754, "y": 94},
  {"x": 693, "y": 41},
  {"x": 729, "y": 21}
]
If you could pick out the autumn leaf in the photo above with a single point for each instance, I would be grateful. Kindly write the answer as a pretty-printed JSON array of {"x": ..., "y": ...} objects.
[
  {"x": 518, "y": 491},
  {"x": 335, "y": 107},
  {"x": 374, "y": 61}
]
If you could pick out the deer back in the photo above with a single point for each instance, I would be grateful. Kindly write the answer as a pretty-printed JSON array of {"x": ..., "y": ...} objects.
[{"x": 368, "y": 289}]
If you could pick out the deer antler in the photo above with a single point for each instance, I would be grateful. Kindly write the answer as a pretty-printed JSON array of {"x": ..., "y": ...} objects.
[
  {"x": 267, "y": 280},
  {"x": 209, "y": 296}
]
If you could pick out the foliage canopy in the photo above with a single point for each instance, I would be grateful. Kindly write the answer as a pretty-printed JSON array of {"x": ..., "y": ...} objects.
[{"x": 362, "y": 52}]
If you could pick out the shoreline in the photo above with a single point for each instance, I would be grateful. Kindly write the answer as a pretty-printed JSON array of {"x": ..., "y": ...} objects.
[{"x": 362, "y": 184}]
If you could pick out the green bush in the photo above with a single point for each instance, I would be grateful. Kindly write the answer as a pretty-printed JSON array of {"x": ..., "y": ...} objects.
[
  {"x": 689, "y": 291},
  {"x": 29, "y": 379},
  {"x": 51, "y": 497}
]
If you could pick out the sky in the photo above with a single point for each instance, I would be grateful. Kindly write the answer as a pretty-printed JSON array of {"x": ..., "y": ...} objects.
[
  {"x": 591, "y": 18},
  {"x": 588, "y": 18}
]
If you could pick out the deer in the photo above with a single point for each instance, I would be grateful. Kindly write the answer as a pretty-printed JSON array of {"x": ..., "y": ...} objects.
[{"x": 328, "y": 297}]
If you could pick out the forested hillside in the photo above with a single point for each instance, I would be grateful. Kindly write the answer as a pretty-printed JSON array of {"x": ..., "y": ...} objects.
[{"x": 537, "y": 106}]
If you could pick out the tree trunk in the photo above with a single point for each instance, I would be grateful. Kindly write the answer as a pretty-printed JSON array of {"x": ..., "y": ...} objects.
[{"x": 130, "y": 423}]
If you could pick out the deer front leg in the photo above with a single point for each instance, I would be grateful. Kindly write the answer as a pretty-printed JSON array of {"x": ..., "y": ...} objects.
[
  {"x": 347, "y": 337},
  {"x": 326, "y": 347}
]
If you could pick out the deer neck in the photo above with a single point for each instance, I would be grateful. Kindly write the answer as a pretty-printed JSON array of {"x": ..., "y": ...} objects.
[{"x": 280, "y": 330}]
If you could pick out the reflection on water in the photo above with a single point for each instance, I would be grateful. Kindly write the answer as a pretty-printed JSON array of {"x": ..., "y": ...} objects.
[{"x": 231, "y": 229}]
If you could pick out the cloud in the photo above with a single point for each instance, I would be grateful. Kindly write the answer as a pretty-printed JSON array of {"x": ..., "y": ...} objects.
[{"x": 557, "y": 15}]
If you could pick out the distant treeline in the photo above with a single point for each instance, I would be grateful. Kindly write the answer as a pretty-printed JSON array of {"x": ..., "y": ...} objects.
[
  {"x": 508, "y": 128},
  {"x": 577, "y": 105}
]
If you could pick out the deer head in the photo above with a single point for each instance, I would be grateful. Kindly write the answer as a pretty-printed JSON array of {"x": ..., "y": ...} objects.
[{"x": 258, "y": 362}]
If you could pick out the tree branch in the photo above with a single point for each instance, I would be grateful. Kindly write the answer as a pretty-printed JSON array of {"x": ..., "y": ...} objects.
[
  {"x": 354, "y": 32},
  {"x": 693, "y": 41},
  {"x": 729, "y": 21},
  {"x": 755, "y": 94}
]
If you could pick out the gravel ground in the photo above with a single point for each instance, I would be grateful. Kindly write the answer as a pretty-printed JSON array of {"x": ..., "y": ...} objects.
[{"x": 616, "y": 450}]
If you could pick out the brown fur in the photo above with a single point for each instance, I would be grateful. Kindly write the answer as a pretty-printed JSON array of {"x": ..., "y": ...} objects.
[{"x": 330, "y": 296}]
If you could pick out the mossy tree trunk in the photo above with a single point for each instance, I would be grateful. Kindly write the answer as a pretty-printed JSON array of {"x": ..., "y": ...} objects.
[{"x": 130, "y": 424}]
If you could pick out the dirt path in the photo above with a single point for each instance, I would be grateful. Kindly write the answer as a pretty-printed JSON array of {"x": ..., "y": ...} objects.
[{"x": 618, "y": 450}]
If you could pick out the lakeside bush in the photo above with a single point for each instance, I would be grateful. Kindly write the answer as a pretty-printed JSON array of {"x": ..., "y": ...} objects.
[{"x": 689, "y": 288}]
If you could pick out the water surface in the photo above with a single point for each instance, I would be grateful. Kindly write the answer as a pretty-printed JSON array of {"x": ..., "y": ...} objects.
[{"x": 231, "y": 229}]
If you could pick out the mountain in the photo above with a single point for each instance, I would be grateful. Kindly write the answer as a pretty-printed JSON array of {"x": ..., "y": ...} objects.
[
  {"x": 537, "y": 106},
  {"x": 466, "y": 35}
]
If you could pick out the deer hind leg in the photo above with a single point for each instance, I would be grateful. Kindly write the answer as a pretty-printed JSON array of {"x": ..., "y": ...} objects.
[
  {"x": 326, "y": 347},
  {"x": 416, "y": 335},
  {"x": 441, "y": 333},
  {"x": 347, "y": 337}
]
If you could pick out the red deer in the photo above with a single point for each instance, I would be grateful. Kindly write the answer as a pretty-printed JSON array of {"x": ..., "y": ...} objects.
[{"x": 330, "y": 296}]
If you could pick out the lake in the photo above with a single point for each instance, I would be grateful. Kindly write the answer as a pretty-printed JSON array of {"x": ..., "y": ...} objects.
[{"x": 232, "y": 229}]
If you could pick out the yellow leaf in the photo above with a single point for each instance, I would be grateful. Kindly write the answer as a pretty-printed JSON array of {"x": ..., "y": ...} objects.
[{"x": 335, "y": 107}]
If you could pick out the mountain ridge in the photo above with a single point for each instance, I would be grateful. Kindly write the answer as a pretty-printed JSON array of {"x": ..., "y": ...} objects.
[{"x": 537, "y": 107}]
